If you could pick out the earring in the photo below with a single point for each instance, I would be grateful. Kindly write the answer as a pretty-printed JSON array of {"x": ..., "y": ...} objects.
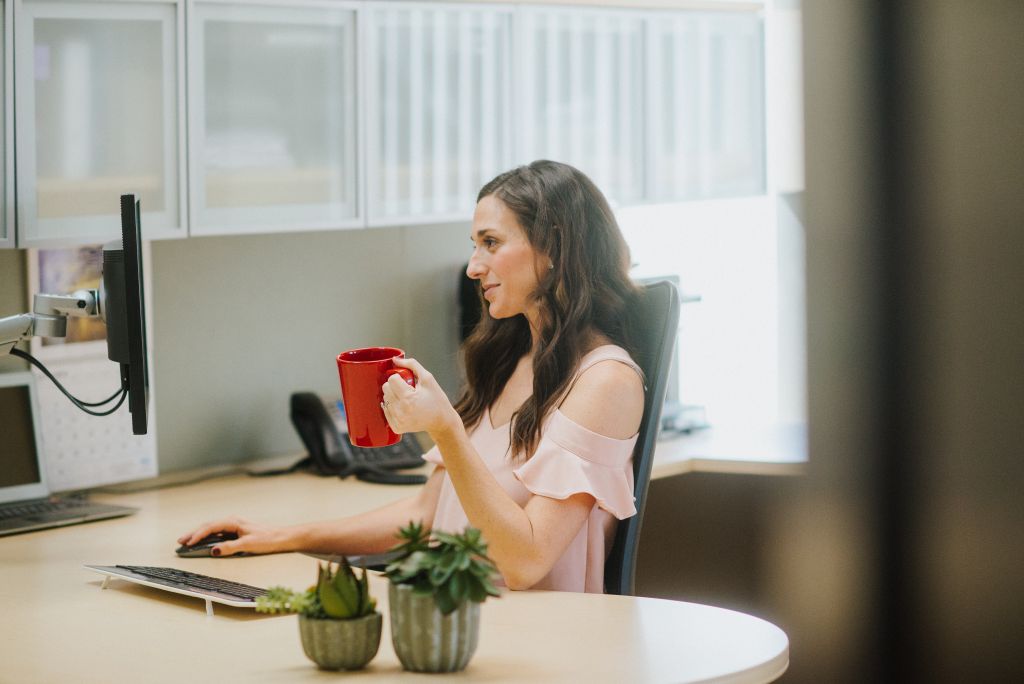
[{"x": 551, "y": 265}]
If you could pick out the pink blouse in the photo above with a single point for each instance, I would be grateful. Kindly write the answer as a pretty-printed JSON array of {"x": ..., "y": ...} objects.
[{"x": 569, "y": 459}]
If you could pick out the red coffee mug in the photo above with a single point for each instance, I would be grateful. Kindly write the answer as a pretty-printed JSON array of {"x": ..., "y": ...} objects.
[{"x": 362, "y": 372}]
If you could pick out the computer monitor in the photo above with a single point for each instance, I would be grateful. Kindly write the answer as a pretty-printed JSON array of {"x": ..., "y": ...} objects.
[
  {"x": 21, "y": 473},
  {"x": 124, "y": 311},
  {"x": 120, "y": 302}
]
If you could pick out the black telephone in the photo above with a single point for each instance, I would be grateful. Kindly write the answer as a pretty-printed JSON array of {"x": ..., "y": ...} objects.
[{"x": 322, "y": 428}]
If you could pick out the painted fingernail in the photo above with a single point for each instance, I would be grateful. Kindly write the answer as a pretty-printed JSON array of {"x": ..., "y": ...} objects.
[{"x": 214, "y": 551}]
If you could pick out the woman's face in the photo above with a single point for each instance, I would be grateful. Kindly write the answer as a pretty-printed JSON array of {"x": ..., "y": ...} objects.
[{"x": 503, "y": 260}]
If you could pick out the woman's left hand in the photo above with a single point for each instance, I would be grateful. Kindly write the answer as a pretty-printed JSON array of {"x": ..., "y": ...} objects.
[{"x": 424, "y": 408}]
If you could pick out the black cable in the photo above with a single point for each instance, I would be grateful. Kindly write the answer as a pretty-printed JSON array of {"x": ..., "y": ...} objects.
[
  {"x": 105, "y": 401},
  {"x": 124, "y": 395},
  {"x": 77, "y": 402}
]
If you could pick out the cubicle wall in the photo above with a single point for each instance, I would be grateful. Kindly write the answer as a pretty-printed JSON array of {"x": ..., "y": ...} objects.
[{"x": 241, "y": 323}]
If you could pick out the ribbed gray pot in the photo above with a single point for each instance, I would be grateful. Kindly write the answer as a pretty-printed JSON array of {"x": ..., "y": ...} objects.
[
  {"x": 341, "y": 644},
  {"x": 424, "y": 639}
]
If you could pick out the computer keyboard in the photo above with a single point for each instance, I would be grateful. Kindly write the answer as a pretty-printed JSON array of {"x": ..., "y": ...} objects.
[
  {"x": 39, "y": 514},
  {"x": 37, "y": 506},
  {"x": 187, "y": 583},
  {"x": 195, "y": 581}
]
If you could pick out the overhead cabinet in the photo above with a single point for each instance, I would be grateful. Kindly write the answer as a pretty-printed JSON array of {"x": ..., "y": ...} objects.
[
  {"x": 99, "y": 112},
  {"x": 581, "y": 97},
  {"x": 326, "y": 114},
  {"x": 273, "y": 125},
  {"x": 438, "y": 108},
  {"x": 705, "y": 105}
]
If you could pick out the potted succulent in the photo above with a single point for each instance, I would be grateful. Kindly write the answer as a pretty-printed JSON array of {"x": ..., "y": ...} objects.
[
  {"x": 338, "y": 621},
  {"x": 437, "y": 583}
]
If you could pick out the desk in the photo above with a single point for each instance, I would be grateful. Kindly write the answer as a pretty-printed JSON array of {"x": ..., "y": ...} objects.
[
  {"x": 60, "y": 626},
  {"x": 779, "y": 449}
]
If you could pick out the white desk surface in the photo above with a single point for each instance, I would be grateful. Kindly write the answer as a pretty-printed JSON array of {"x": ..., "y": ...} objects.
[
  {"x": 751, "y": 450},
  {"x": 60, "y": 626}
]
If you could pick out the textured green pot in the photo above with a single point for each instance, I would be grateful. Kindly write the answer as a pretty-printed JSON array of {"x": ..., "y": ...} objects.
[
  {"x": 341, "y": 644},
  {"x": 424, "y": 639}
]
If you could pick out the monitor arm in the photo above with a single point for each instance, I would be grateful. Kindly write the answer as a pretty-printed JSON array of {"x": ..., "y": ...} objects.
[{"x": 49, "y": 317}]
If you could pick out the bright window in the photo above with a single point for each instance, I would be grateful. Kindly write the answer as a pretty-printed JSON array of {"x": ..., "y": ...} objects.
[{"x": 741, "y": 347}]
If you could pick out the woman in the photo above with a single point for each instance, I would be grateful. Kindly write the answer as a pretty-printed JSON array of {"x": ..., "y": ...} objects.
[{"x": 536, "y": 453}]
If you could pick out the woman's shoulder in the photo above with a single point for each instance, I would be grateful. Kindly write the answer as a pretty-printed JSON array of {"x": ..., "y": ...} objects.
[
  {"x": 607, "y": 398},
  {"x": 606, "y": 370},
  {"x": 606, "y": 350}
]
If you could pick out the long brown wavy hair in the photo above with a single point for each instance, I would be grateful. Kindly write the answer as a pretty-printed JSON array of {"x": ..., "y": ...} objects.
[{"x": 566, "y": 218}]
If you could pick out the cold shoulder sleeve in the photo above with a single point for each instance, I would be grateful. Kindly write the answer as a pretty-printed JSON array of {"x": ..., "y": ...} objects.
[{"x": 571, "y": 459}]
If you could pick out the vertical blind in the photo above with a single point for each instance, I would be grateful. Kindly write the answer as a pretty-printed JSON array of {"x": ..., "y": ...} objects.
[
  {"x": 654, "y": 106},
  {"x": 438, "y": 119},
  {"x": 705, "y": 85},
  {"x": 582, "y": 94}
]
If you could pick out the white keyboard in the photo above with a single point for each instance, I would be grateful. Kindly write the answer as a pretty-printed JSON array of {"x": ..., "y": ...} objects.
[{"x": 210, "y": 589}]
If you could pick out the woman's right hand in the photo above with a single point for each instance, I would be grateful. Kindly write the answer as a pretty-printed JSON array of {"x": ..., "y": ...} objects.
[{"x": 252, "y": 537}]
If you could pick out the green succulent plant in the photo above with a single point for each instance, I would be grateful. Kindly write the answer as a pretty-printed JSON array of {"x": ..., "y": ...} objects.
[
  {"x": 453, "y": 567},
  {"x": 337, "y": 594}
]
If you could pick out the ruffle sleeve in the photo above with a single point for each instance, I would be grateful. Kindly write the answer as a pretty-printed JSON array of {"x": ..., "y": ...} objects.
[
  {"x": 434, "y": 456},
  {"x": 571, "y": 459}
]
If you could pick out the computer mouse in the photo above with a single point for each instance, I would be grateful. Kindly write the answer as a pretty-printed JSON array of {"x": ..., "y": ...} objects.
[{"x": 201, "y": 549}]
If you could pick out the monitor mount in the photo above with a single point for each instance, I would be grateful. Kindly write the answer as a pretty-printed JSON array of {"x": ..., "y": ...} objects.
[{"x": 49, "y": 317}]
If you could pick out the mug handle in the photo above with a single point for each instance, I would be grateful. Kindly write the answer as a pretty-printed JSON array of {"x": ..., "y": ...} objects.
[{"x": 405, "y": 373}]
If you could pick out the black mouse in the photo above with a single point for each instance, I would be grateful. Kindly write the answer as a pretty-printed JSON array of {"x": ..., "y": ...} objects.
[{"x": 201, "y": 549}]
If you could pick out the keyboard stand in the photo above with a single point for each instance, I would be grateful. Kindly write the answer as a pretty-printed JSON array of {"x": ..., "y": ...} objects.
[
  {"x": 109, "y": 572},
  {"x": 209, "y": 602}
]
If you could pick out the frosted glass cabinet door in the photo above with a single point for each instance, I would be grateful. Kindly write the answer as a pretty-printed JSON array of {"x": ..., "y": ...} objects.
[
  {"x": 582, "y": 94},
  {"x": 272, "y": 96},
  {"x": 99, "y": 112},
  {"x": 438, "y": 84},
  {"x": 6, "y": 127},
  {"x": 705, "y": 102}
]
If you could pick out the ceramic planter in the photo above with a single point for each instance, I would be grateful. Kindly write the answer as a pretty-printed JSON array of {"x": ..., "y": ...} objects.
[
  {"x": 424, "y": 639},
  {"x": 341, "y": 644}
]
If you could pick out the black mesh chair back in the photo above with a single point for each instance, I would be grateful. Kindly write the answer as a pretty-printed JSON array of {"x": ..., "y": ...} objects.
[{"x": 657, "y": 320}]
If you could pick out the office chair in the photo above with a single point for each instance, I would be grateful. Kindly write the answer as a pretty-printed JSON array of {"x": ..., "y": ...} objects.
[{"x": 657, "y": 322}]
